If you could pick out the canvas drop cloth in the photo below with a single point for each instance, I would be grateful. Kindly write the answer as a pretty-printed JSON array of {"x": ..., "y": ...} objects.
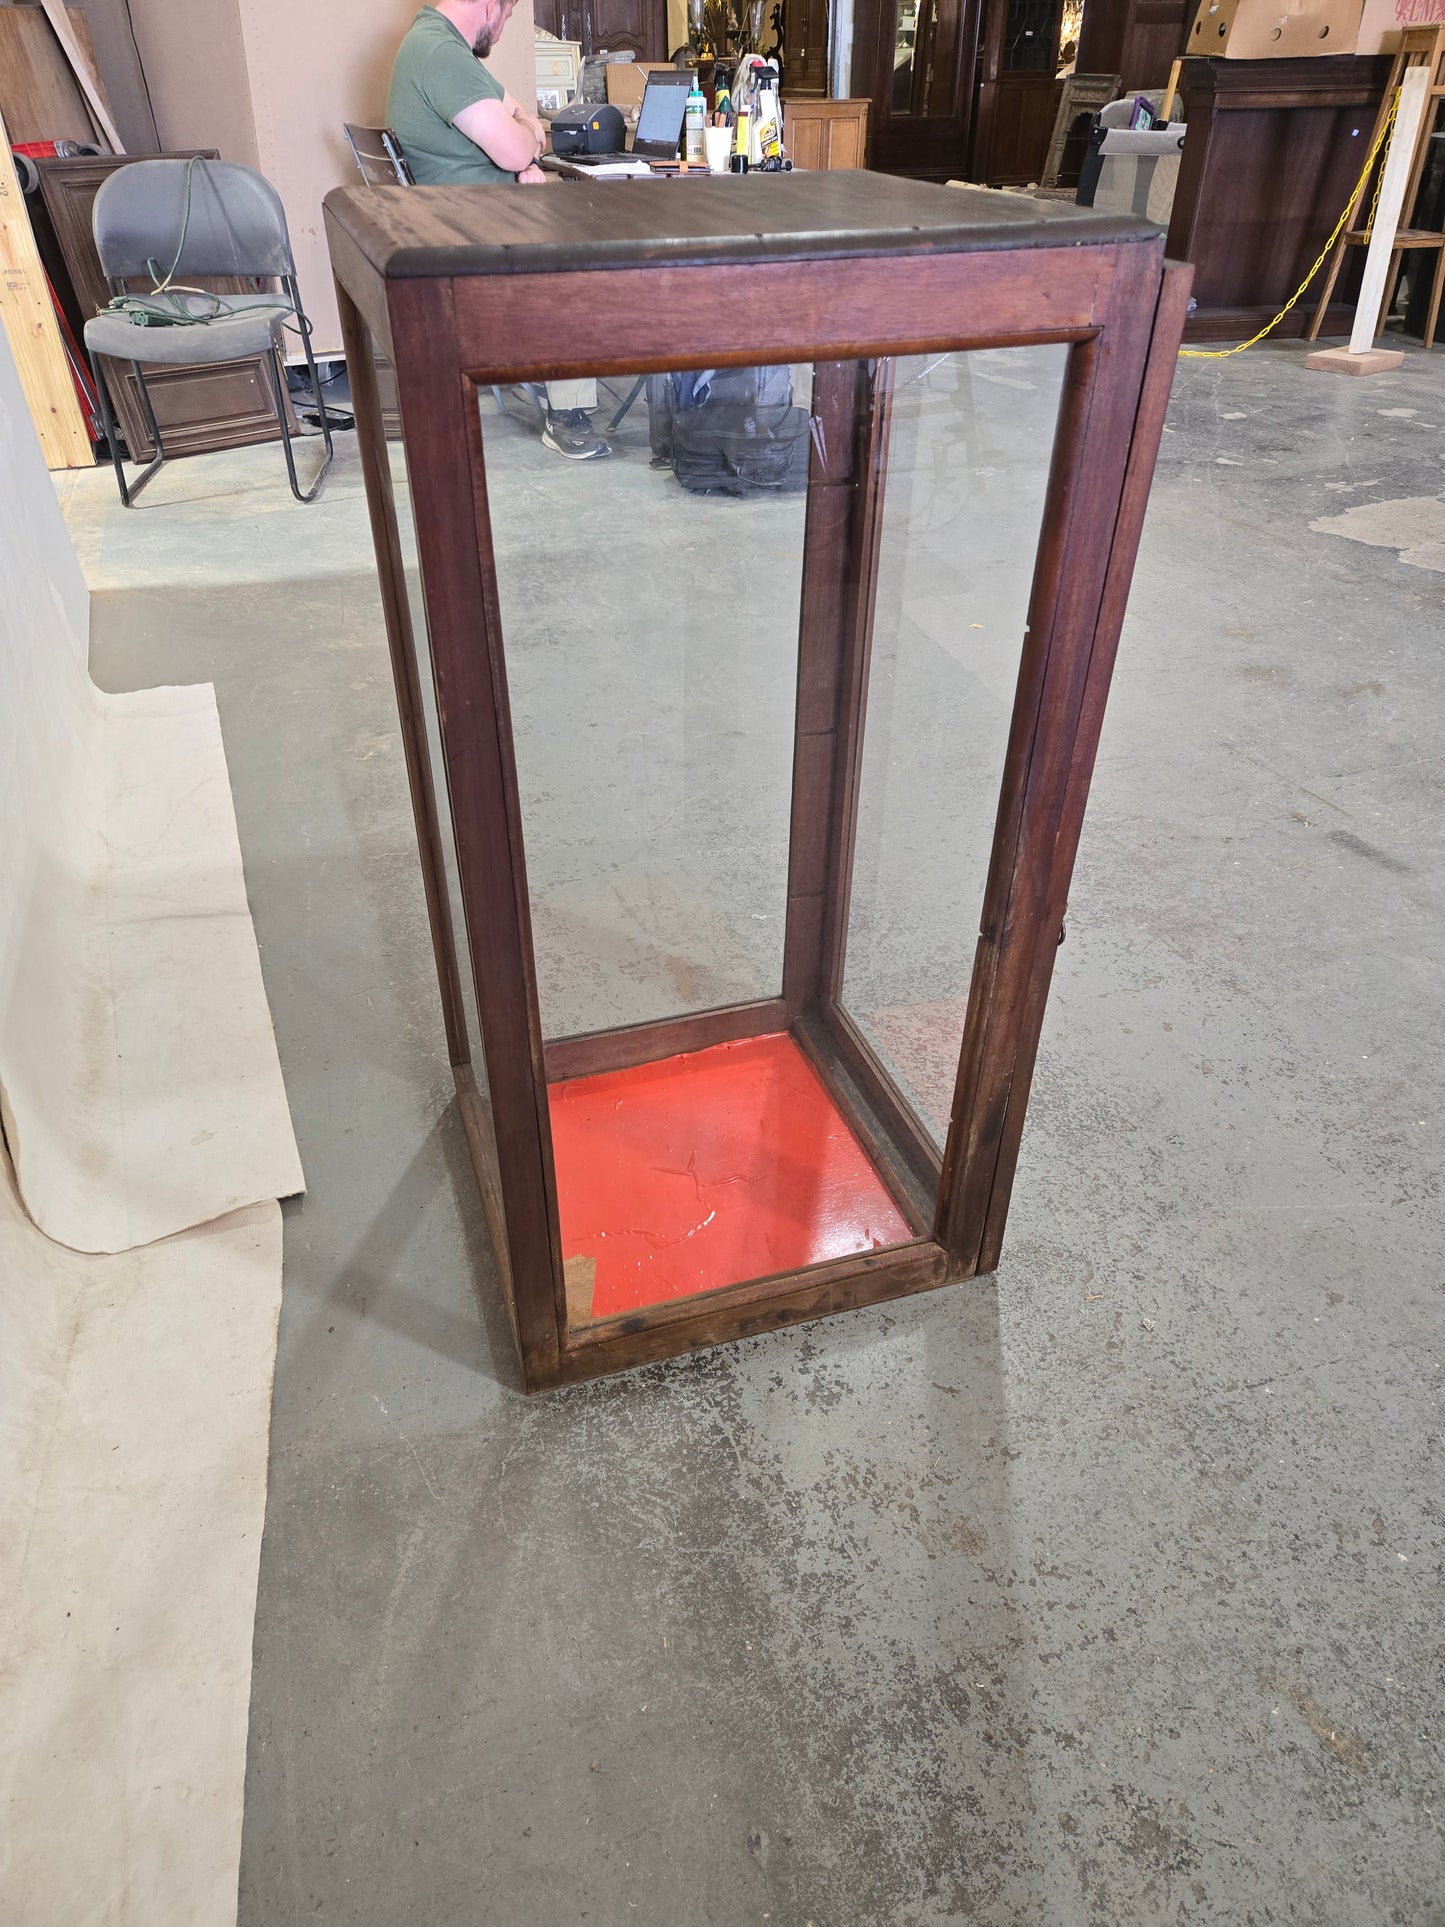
[
  {"x": 140, "y": 1090},
  {"x": 140, "y": 1264}
]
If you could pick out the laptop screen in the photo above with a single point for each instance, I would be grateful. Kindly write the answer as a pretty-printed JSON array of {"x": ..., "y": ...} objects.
[{"x": 664, "y": 102}]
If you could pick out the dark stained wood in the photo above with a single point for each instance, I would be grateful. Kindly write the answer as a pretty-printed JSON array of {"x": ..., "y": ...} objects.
[
  {"x": 620, "y": 26},
  {"x": 1095, "y": 419},
  {"x": 743, "y": 1311},
  {"x": 610, "y": 26},
  {"x": 1148, "y": 428},
  {"x": 616, "y": 1050},
  {"x": 406, "y": 674},
  {"x": 425, "y": 232},
  {"x": 947, "y": 272},
  {"x": 805, "y": 52},
  {"x": 1022, "y": 109},
  {"x": 1137, "y": 39},
  {"x": 442, "y": 428},
  {"x": 226, "y": 405},
  {"x": 878, "y": 1117},
  {"x": 920, "y": 126},
  {"x": 1272, "y": 152}
]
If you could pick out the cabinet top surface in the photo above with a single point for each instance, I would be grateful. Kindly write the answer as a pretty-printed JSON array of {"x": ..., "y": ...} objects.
[{"x": 425, "y": 232}]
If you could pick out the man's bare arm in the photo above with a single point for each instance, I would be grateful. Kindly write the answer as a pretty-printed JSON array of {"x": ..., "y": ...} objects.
[{"x": 508, "y": 139}]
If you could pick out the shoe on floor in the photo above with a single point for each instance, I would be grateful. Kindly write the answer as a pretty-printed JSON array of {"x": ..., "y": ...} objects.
[{"x": 569, "y": 432}]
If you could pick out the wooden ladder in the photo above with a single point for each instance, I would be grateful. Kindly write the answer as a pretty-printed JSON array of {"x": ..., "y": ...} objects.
[{"x": 1419, "y": 47}]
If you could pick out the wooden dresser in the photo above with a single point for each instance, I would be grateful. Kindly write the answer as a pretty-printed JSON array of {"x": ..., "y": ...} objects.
[{"x": 823, "y": 134}]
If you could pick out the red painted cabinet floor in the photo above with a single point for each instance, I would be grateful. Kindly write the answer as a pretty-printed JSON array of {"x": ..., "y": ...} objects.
[{"x": 708, "y": 1169}]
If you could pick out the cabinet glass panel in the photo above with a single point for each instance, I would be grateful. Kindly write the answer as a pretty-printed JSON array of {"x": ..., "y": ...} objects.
[
  {"x": 651, "y": 634},
  {"x": 970, "y": 441}
]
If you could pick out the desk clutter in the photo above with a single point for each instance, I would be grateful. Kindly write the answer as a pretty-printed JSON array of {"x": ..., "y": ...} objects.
[{"x": 730, "y": 121}]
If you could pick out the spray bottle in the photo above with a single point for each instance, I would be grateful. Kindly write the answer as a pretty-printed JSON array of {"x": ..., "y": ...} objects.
[{"x": 694, "y": 144}]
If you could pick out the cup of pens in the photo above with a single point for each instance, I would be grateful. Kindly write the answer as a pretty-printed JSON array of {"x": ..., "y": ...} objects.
[{"x": 719, "y": 141}]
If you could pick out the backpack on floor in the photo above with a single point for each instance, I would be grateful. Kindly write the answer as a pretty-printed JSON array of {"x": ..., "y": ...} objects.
[{"x": 729, "y": 431}]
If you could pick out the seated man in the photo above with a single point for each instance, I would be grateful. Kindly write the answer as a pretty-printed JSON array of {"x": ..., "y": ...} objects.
[{"x": 457, "y": 123}]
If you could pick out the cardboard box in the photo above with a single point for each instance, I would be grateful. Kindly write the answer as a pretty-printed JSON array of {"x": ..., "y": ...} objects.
[
  {"x": 1385, "y": 20},
  {"x": 627, "y": 81},
  {"x": 1275, "y": 29}
]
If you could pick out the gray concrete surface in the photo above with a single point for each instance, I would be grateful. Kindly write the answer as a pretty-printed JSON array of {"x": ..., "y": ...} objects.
[{"x": 1106, "y": 1590}]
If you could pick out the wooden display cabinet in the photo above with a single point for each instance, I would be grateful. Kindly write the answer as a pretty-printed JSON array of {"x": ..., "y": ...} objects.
[{"x": 465, "y": 288}]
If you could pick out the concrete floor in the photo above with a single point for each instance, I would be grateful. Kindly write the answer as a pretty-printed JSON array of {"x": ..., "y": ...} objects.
[{"x": 1106, "y": 1590}]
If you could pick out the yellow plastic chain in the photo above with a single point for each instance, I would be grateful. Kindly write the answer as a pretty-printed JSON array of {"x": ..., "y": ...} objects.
[{"x": 1223, "y": 354}]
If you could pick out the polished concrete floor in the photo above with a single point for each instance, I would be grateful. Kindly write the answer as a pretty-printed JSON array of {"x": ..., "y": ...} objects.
[{"x": 1104, "y": 1590}]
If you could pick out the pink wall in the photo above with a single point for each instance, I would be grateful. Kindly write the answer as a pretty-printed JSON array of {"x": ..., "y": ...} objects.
[{"x": 270, "y": 82}]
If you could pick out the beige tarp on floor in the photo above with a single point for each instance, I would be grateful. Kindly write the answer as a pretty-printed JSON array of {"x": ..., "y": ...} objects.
[
  {"x": 139, "y": 1086},
  {"x": 141, "y": 1097}
]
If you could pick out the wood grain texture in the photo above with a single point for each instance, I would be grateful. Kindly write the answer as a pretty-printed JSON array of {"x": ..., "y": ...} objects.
[
  {"x": 1272, "y": 151},
  {"x": 619, "y": 1049},
  {"x": 445, "y": 463},
  {"x": 457, "y": 232},
  {"x": 743, "y": 1311},
  {"x": 81, "y": 61},
  {"x": 33, "y": 331},
  {"x": 406, "y": 673},
  {"x": 1096, "y": 418},
  {"x": 41, "y": 98},
  {"x": 824, "y": 135},
  {"x": 1144, "y": 438}
]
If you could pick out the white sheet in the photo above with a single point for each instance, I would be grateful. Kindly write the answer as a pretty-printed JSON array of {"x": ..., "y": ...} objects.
[
  {"x": 140, "y": 1090},
  {"x": 135, "y": 1400},
  {"x": 140, "y": 1094}
]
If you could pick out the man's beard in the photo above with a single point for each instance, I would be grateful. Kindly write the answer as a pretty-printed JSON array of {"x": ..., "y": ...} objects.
[{"x": 484, "y": 41}]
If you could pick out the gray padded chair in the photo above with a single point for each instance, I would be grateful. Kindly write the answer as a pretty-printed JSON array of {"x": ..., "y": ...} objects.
[{"x": 161, "y": 224}]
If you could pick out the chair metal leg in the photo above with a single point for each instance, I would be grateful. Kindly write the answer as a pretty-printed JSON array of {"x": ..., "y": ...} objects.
[
  {"x": 128, "y": 492},
  {"x": 278, "y": 385},
  {"x": 499, "y": 399},
  {"x": 625, "y": 409}
]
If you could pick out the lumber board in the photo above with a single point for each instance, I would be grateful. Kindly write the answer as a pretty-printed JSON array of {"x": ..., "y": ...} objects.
[
  {"x": 32, "y": 330},
  {"x": 84, "y": 72},
  {"x": 40, "y": 94}
]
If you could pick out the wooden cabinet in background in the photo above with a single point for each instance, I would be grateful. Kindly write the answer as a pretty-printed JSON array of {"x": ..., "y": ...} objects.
[
  {"x": 824, "y": 134},
  {"x": 805, "y": 49},
  {"x": 607, "y": 26},
  {"x": 1272, "y": 150}
]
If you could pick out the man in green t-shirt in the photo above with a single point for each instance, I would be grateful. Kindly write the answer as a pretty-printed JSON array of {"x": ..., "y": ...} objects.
[{"x": 457, "y": 124}]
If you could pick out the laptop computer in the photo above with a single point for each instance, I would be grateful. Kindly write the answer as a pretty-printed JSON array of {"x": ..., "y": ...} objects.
[{"x": 659, "y": 122}]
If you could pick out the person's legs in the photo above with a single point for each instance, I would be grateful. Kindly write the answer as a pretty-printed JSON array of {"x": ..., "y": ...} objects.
[{"x": 569, "y": 429}]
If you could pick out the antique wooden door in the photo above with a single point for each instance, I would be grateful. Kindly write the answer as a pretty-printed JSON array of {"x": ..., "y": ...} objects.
[{"x": 916, "y": 59}]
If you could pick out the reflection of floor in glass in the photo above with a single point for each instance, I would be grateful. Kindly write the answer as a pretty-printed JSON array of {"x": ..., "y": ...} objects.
[
  {"x": 919, "y": 1046},
  {"x": 705, "y": 1170}
]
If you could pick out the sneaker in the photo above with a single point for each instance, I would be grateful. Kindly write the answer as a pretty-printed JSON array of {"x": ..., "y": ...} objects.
[{"x": 570, "y": 432}]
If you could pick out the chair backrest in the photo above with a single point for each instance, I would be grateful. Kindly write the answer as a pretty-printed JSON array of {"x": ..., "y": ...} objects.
[
  {"x": 379, "y": 156},
  {"x": 190, "y": 218}
]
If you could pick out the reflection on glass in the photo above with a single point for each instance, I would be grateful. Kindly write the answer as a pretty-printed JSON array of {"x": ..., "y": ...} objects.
[
  {"x": 969, "y": 452},
  {"x": 650, "y": 619},
  {"x": 1031, "y": 37},
  {"x": 904, "y": 40}
]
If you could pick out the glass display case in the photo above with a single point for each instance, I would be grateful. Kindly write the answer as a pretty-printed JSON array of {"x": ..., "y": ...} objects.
[{"x": 748, "y": 767}]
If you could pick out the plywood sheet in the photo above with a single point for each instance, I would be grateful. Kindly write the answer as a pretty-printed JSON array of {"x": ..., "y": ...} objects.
[
  {"x": 40, "y": 96},
  {"x": 30, "y": 327}
]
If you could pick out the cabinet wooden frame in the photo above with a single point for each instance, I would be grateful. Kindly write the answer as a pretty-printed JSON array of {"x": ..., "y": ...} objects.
[{"x": 463, "y": 290}]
